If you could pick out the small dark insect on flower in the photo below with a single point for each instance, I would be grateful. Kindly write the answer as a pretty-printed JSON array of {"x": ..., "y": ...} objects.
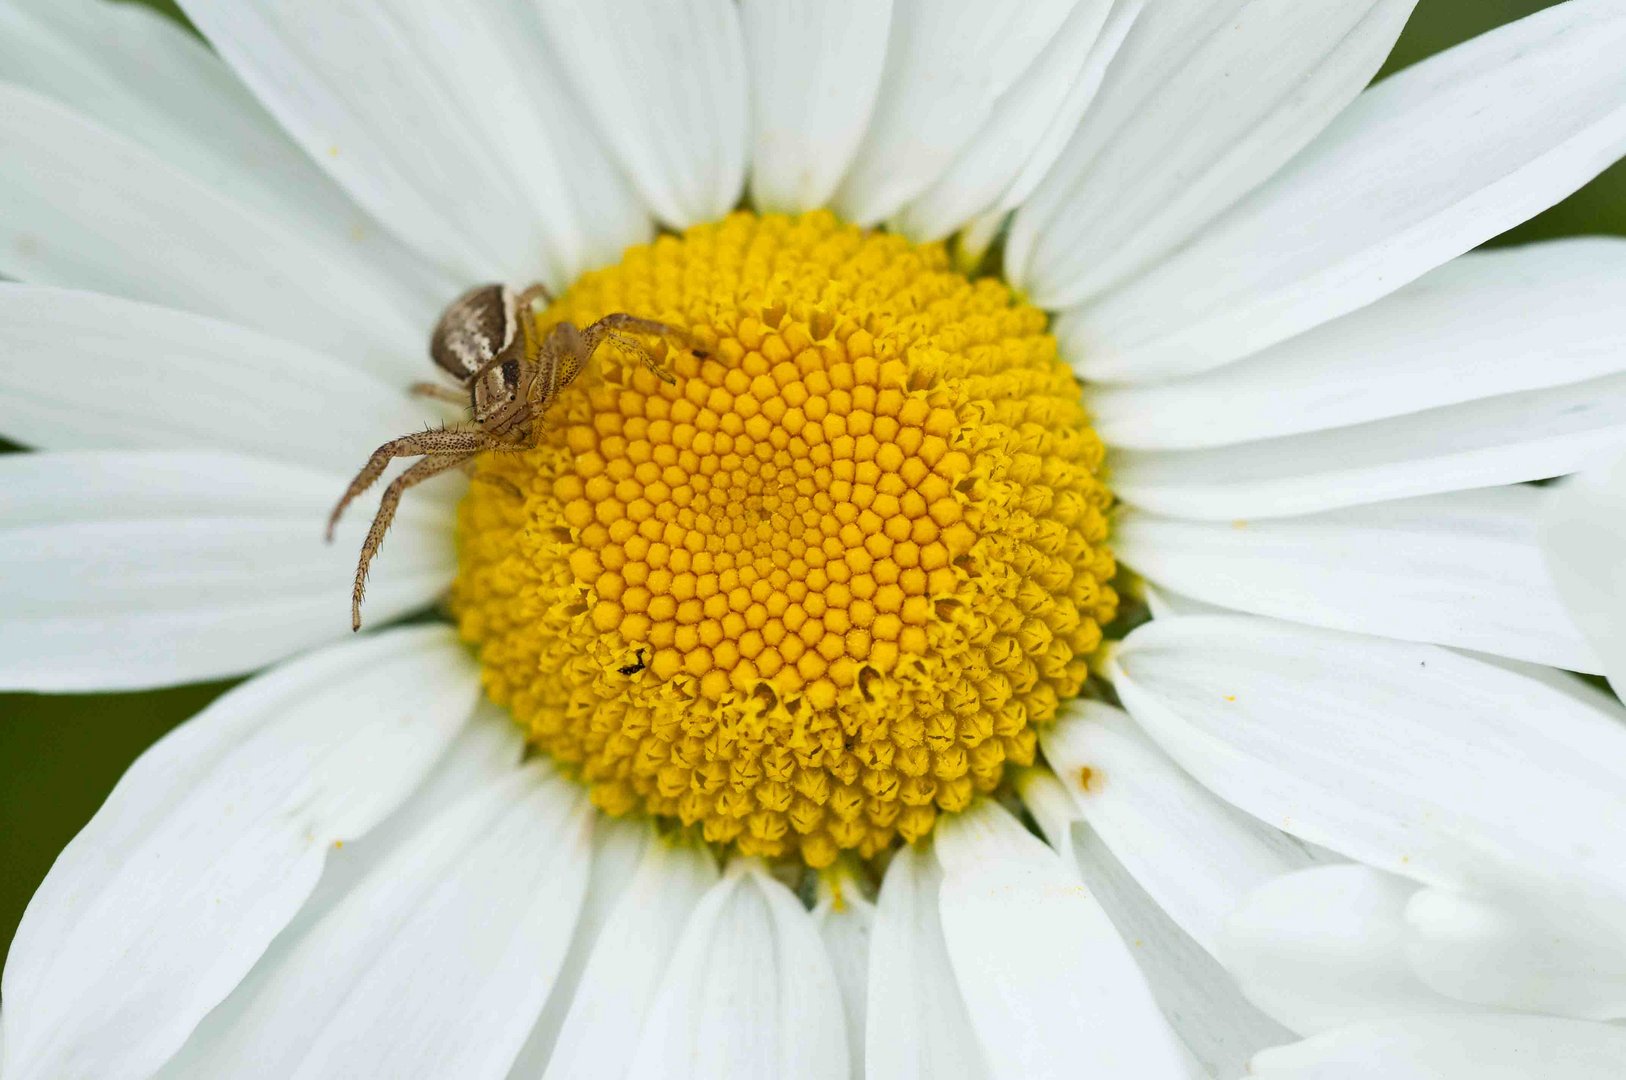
[
  {"x": 487, "y": 342},
  {"x": 635, "y": 667}
]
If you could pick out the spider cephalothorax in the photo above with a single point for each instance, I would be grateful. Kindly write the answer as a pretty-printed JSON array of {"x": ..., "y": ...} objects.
[{"x": 508, "y": 377}]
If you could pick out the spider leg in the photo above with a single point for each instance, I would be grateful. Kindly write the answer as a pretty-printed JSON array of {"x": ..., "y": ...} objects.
[
  {"x": 631, "y": 323},
  {"x": 440, "y": 393},
  {"x": 420, "y": 471},
  {"x": 615, "y": 328},
  {"x": 534, "y": 293},
  {"x": 424, "y": 442},
  {"x": 528, "y": 342},
  {"x": 638, "y": 349}
]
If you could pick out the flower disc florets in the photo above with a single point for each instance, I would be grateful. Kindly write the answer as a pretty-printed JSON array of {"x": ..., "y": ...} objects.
[{"x": 826, "y": 585}]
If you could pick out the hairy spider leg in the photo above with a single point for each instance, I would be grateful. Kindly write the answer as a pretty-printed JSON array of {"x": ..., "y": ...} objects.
[
  {"x": 632, "y": 345},
  {"x": 530, "y": 344},
  {"x": 534, "y": 293},
  {"x": 440, "y": 393},
  {"x": 420, "y": 471},
  {"x": 615, "y": 328},
  {"x": 441, "y": 441},
  {"x": 604, "y": 329}
]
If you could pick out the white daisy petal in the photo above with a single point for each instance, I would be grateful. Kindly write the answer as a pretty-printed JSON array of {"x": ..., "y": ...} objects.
[
  {"x": 1463, "y": 569},
  {"x": 1490, "y": 323},
  {"x": 142, "y": 377},
  {"x": 1423, "y": 167},
  {"x": 1150, "y": 58},
  {"x": 507, "y": 85},
  {"x": 438, "y": 962},
  {"x": 1325, "y": 947},
  {"x": 376, "y": 98},
  {"x": 138, "y": 73},
  {"x": 1218, "y": 1028},
  {"x": 1053, "y": 809},
  {"x": 211, "y": 842},
  {"x": 1194, "y": 855},
  {"x": 815, "y": 68},
  {"x": 599, "y": 1031},
  {"x": 84, "y": 206},
  {"x": 1516, "y": 957},
  {"x": 1453, "y": 1048},
  {"x": 1198, "y": 996},
  {"x": 1081, "y": 97},
  {"x": 453, "y": 988},
  {"x": 978, "y": 235},
  {"x": 1500, "y": 440},
  {"x": 917, "y": 1026},
  {"x": 618, "y": 849},
  {"x": 749, "y": 992},
  {"x": 948, "y": 63},
  {"x": 1579, "y": 687},
  {"x": 1028, "y": 125},
  {"x": 128, "y": 570},
  {"x": 1245, "y": 87},
  {"x": 1409, "y": 758},
  {"x": 1165, "y": 603},
  {"x": 845, "y": 918},
  {"x": 485, "y": 751},
  {"x": 1583, "y": 533},
  {"x": 666, "y": 86},
  {"x": 612, "y": 215},
  {"x": 485, "y": 754},
  {"x": 1051, "y": 989}
]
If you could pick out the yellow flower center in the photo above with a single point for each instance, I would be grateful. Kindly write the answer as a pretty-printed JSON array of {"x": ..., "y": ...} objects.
[{"x": 824, "y": 587}]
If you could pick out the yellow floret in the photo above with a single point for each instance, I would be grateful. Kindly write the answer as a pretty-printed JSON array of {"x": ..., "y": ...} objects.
[{"x": 828, "y": 584}]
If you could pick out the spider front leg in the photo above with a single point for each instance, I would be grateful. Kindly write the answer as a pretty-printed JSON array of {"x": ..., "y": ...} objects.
[
  {"x": 616, "y": 327},
  {"x": 424, "y": 442},
  {"x": 623, "y": 321},
  {"x": 417, "y": 474},
  {"x": 638, "y": 349},
  {"x": 440, "y": 393}
]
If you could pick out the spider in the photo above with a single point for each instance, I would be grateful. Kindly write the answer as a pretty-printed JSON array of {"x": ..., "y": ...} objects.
[{"x": 487, "y": 341}]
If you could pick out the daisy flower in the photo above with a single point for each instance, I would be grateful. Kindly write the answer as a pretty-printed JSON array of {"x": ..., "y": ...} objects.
[{"x": 1077, "y": 609}]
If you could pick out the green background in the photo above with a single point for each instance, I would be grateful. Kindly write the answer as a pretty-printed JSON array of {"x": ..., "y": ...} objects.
[{"x": 59, "y": 756}]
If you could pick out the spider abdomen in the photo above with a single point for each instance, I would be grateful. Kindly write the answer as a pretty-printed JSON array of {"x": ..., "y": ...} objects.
[{"x": 480, "y": 325}]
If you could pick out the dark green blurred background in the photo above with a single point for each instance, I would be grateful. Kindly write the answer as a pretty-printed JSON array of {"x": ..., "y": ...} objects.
[{"x": 59, "y": 756}]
